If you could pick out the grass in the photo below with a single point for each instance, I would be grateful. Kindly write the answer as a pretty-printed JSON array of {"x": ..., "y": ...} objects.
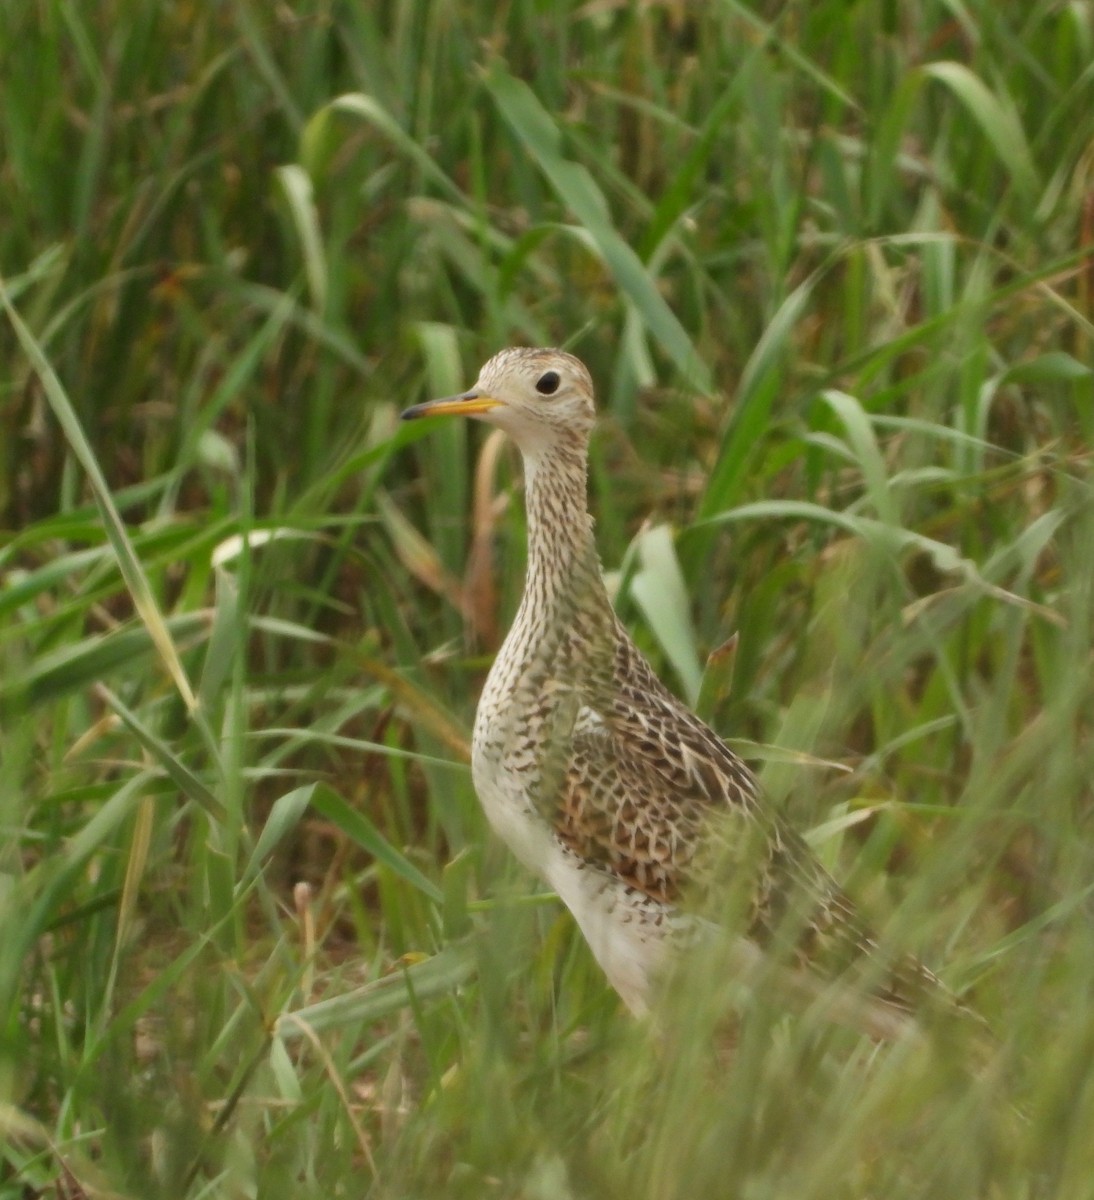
[{"x": 831, "y": 266}]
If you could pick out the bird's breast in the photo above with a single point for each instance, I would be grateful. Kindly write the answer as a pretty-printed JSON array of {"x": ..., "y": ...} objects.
[{"x": 520, "y": 747}]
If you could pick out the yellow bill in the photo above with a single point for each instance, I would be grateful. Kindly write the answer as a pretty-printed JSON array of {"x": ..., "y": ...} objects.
[{"x": 466, "y": 404}]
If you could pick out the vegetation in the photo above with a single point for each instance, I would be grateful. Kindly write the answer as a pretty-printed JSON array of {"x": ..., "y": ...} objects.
[{"x": 832, "y": 266}]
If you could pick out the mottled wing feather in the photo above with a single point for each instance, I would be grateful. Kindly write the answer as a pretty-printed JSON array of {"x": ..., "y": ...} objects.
[{"x": 645, "y": 793}]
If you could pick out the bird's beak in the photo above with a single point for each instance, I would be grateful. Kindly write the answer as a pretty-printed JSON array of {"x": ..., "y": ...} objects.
[{"x": 467, "y": 404}]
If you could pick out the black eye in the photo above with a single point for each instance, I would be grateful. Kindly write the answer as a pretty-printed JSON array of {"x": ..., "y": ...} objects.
[{"x": 547, "y": 383}]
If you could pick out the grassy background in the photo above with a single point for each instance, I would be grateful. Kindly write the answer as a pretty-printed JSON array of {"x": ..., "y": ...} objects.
[{"x": 832, "y": 265}]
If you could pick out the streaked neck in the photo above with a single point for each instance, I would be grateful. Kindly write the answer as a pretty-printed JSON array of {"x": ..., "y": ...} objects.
[{"x": 563, "y": 568}]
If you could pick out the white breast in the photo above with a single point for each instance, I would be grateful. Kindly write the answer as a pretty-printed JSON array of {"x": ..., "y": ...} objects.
[{"x": 627, "y": 932}]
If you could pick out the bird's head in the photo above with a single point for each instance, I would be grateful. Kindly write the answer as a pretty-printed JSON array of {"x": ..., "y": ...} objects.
[{"x": 541, "y": 398}]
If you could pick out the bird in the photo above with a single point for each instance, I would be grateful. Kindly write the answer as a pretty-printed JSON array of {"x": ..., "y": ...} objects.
[{"x": 607, "y": 786}]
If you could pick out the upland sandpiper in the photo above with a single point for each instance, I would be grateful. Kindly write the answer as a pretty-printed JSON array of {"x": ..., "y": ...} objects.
[{"x": 602, "y": 781}]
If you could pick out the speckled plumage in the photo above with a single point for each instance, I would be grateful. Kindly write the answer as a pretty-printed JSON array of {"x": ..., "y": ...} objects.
[{"x": 599, "y": 778}]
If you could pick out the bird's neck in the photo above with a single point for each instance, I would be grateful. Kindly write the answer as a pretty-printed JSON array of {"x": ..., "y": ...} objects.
[{"x": 563, "y": 567}]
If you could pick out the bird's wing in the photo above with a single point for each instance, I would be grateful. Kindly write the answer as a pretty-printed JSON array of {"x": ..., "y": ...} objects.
[{"x": 654, "y": 796}]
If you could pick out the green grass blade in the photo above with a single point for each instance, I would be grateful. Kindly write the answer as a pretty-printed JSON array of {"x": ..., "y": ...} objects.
[
  {"x": 128, "y": 562},
  {"x": 189, "y": 784},
  {"x": 860, "y": 433},
  {"x": 356, "y": 826},
  {"x": 995, "y": 113},
  {"x": 576, "y": 188},
  {"x": 285, "y": 814},
  {"x": 438, "y": 975},
  {"x": 754, "y": 400},
  {"x": 298, "y": 192},
  {"x": 659, "y": 589}
]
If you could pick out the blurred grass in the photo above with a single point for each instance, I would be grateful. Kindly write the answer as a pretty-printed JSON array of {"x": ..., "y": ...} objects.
[{"x": 831, "y": 265}]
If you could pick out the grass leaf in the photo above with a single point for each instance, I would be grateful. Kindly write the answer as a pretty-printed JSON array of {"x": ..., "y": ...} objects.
[
  {"x": 576, "y": 188},
  {"x": 356, "y": 826},
  {"x": 128, "y": 561},
  {"x": 997, "y": 117}
]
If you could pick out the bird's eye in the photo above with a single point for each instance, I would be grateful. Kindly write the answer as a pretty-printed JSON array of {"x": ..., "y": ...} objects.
[{"x": 547, "y": 383}]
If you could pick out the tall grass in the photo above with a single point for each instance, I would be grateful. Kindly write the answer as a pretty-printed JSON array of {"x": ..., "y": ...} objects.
[{"x": 831, "y": 266}]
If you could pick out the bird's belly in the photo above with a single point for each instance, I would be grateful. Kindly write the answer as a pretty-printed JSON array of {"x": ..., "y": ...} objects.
[
  {"x": 627, "y": 931},
  {"x": 502, "y": 791},
  {"x": 630, "y": 934}
]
